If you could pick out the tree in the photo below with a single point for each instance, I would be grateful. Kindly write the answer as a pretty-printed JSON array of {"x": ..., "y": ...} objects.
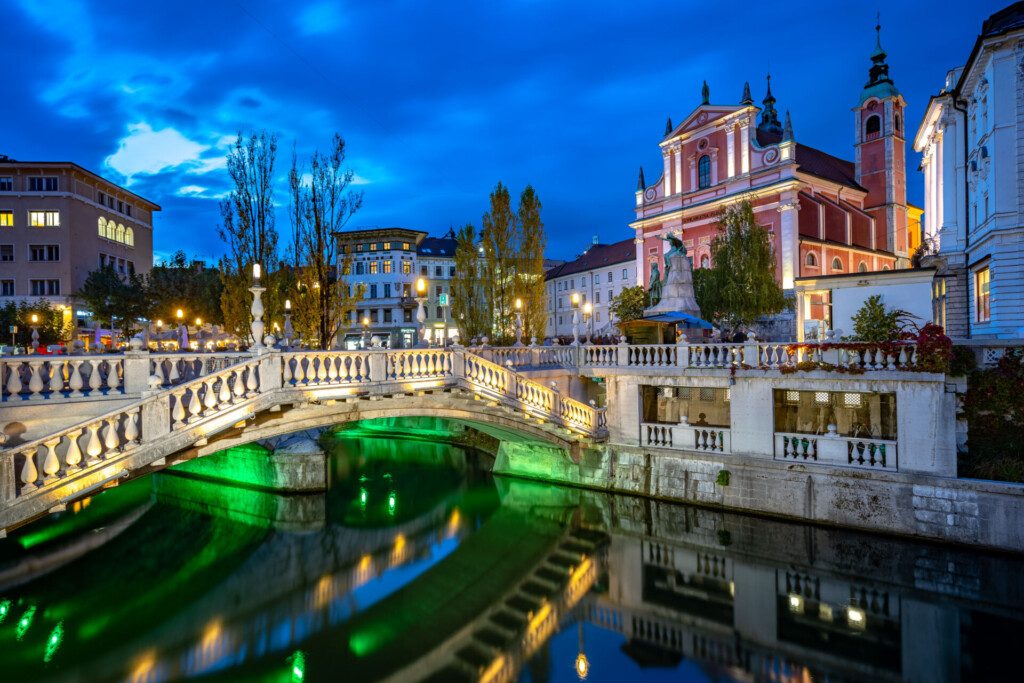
[
  {"x": 499, "y": 238},
  {"x": 51, "y": 325},
  {"x": 740, "y": 286},
  {"x": 191, "y": 286},
  {"x": 629, "y": 304},
  {"x": 321, "y": 206},
  {"x": 248, "y": 229},
  {"x": 471, "y": 306},
  {"x": 874, "y": 323},
  {"x": 531, "y": 264},
  {"x": 115, "y": 299}
]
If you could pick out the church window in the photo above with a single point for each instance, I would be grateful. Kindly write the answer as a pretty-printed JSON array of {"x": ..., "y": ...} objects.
[
  {"x": 704, "y": 172},
  {"x": 811, "y": 259},
  {"x": 837, "y": 264},
  {"x": 874, "y": 125},
  {"x": 897, "y": 123},
  {"x": 705, "y": 262},
  {"x": 863, "y": 267}
]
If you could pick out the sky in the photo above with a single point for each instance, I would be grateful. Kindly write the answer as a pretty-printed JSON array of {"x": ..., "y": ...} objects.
[{"x": 439, "y": 101}]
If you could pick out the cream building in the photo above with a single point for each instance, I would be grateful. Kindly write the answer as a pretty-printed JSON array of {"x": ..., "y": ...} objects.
[{"x": 597, "y": 275}]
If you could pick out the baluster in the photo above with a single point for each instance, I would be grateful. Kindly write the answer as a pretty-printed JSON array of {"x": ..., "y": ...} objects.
[
  {"x": 131, "y": 426},
  {"x": 14, "y": 380},
  {"x": 250, "y": 380},
  {"x": 29, "y": 473},
  {"x": 35, "y": 381},
  {"x": 286, "y": 369},
  {"x": 173, "y": 376},
  {"x": 75, "y": 378},
  {"x": 237, "y": 384},
  {"x": 51, "y": 463},
  {"x": 224, "y": 397},
  {"x": 902, "y": 358},
  {"x": 332, "y": 369},
  {"x": 111, "y": 440},
  {"x": 300, "y": 370},
  {"x": 195, "y": 406},
  {"x": 93, "y": 448},
  {"x": 178, "y": 412},
  {"x": 209, "y": 395},
  {"x": 94, "y": 377},
  {"x": 112, "y": 378},
  {"x": 321, "y": 372},
  {"x": 74, "y": 455}
]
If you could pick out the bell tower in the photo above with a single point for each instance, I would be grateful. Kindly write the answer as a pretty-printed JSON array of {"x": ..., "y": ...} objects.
[{"x": 881, "y": 161}]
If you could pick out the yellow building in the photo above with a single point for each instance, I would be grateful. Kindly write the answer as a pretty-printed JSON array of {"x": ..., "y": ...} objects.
[{"x": 914, "y": 216}]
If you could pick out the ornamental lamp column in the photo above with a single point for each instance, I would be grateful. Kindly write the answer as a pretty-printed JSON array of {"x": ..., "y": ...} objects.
[
  {"x": 366, "y": 331},
  {"x": 256, "y": 327},
  {"x": 35, "y": 332},
  {"x": 421, "y": 313},
  {"x": 289, "y": 331},
  {"x": 575, "y": 300},
  {"x": 588, "y": 319},
  {"x": 519, "y": 322}
]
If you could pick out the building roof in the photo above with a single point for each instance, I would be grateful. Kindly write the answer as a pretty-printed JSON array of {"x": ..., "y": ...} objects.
[
  {"x": 380, "y": 233},
  {"x": 437, "y": 246},
  {"x": 597, "y": 256},
  {"x": 814, "y": 162},
  {"x": 6, "y": 161},
  {"x": 1004, "y": 21}
]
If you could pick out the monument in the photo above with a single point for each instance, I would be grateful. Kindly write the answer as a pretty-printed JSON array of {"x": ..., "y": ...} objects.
[{"x": 676, "y": 289}]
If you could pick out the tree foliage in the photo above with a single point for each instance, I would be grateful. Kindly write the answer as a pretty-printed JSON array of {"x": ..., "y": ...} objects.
[
  {"x": 51, "y": 325},
  {"x": 115, "y": 299},
  {"x": 740, "y": 286},
  {"x": 530, "y": 270},
  {"x": 321, "y": 206},
  {"x": 189, "y": 285},
  {"x": 471, "y": 309},
  {"x": 873, "y": 322},
  {"x": 500, "y": 240},
  {"x": 629, "y": 304}
]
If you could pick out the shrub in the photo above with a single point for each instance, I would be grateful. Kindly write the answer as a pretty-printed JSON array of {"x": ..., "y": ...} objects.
[
  {"x": 934, "y": 349},
  {"x": 874, "y": 323},
  {"x": 964, "y": 362},
  {"x": 994, "y": 408}
]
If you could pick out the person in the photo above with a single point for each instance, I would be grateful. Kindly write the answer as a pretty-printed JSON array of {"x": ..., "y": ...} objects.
[
  {"x": 739, "y": 337},
  {"x": 702, "y": 420}
]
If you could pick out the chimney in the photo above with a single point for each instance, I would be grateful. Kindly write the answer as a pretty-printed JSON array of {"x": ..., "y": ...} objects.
[{"x": 594, "y": 241}]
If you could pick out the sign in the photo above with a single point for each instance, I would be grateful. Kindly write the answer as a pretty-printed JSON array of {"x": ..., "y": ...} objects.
[
  {"x": 442, "y": 299},
  {"x": 13, "y": 329}
]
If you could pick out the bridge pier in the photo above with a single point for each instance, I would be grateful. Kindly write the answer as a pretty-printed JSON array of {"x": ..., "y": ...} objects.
[{"x": 296, "y": 464}]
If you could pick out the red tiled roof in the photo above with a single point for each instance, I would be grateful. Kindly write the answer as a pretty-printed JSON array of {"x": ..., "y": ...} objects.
[
  {"x": 818, "y": 163},
  {"x": 597, "y": 256}
]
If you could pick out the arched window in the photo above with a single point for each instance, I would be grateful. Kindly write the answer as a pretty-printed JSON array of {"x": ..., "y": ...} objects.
[
  {"x": 102, "y": 227},
  {"x": 885, "y": 267},
  {"x": 111, "y": 230},
  {"x": 811, "y": 260},
  {"x": 897, "y": 122},
  {"x": 873, "y": 125},
  {"x": 863, "y": 267},
  {"x": 837, "y": 264},
  {"x": 120, "y": 234},
  {"x": 705, "y": 262},
  {"x": 129, "y": 236},
  {"x": 704, "y": 172}
]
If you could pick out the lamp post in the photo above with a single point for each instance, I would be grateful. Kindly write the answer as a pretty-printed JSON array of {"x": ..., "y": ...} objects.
[
  {"x": 256, "y": 327},
  {"x": 519, "y": 322},
  {"x": 421, "y": 313},
  {"x": 179, "y": 314},
  {"x": 588, "y": 320},
  {"x": 575, "y": 318},
  {"x": 35, "y": 332},
  {"x": 159, "y": 335},
  {"x": 289, "y": 331},
  {"x": 366, "y": 331}
]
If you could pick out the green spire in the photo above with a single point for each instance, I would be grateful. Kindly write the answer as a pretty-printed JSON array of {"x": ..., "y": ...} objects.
[
  {"x": 787, "y": 128},
  {"x": 769, "y": 122},
  {"x": 705, "y": 94},
  {"x": 879, "y": 83},
  {"x": 747, "y": 99},
  {"x": 641, "y": 184}
]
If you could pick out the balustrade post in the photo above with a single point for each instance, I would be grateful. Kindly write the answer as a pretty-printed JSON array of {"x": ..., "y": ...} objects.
[
  {"x": 136, "y": 372},
  {"x": 622, "y": 353},
  {"x": 556, "y": 402},
  {"x": 378, "y": 362},
  {"x": 458, "y": 361},
  {"x": 156, "y": 418},
  {"x": 270, "y": 370},
  {"x": 751, "y": 353},
  {"x": 7, "y": 481}
]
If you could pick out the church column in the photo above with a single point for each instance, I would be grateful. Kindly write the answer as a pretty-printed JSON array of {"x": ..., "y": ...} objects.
[
  {"x": 679, "y": 169},
  {"x": 639, "y": 242},
  {"x": 789, "y": 233},
  {"x": 714, "y": 166},
  {"x": 730, "y": 147},
  {"x": 745, "y": 146},
  {"x": 693, "y": 172},
  {"x": 667, "y": 176}
]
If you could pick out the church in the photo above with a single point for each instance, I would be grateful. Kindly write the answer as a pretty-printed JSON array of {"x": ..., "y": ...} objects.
[{"x": 826, "y": 216}]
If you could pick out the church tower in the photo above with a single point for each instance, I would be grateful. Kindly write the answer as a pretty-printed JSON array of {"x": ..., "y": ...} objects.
[{"x": 881, "y": 162}]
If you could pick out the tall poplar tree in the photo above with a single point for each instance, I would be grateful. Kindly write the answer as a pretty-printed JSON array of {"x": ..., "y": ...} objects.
[
  {"x": 471, "y": 304},
  {"x": 531, "y": 265},
  {"x": 740, "y": 286},
  {"x": 500, "y": 241}
]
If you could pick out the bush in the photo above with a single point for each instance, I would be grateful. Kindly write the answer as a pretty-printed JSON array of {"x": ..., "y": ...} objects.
[
  {"x": 964, "y": 362},
  {"x": 876, "y": 324},
  {"x": 994, "y": 408},
  {"x": 934, "y": 349}
]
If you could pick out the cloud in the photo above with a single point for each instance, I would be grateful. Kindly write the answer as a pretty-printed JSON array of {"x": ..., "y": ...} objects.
[
  {"x": 319, "y": 18},
  {"x": 144, "y": 151}
]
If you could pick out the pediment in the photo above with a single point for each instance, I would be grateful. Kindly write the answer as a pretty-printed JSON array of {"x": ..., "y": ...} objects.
[{"x": 702, "y": 117}]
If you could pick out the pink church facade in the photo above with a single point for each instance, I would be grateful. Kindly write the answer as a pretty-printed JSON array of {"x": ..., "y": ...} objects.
[{"x": 826, "y": 215}]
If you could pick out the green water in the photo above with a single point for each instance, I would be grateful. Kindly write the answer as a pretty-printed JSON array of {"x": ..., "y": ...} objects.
[{"x": 417, "y": 564}]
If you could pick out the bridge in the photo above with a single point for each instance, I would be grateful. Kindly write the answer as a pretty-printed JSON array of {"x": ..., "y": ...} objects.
[{"x": 191, "y": 400}]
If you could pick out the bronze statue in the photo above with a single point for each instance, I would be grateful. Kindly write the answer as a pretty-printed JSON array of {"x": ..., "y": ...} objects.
[{"x": 654, "y": 285}]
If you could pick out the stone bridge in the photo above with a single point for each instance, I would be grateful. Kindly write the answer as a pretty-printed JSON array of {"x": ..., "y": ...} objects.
[{"x": 215, "y": 403}]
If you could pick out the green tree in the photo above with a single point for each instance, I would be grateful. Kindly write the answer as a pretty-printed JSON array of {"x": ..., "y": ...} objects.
[
  {"x": 50, "y": 322},
  {"x": 321, "y": 207},
  {"x": 471, "y": 306},
  {"x": 531, "y": 264},
  {"x": 189, "y": 285},
  {"x": 629, "y": 304},
  {"x": 875, "y": 323},
  {"x": 115, "y": 299},
  {"x": 499, "y": 238},
  {"x": 740, "y": 286},
  {"x": 248, "y": 229}
]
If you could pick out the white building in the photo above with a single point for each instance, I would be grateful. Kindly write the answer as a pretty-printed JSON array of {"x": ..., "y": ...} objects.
[
  {"x": 601, "y": 272},
  {"x": 386, "y": 263},
  {"x": 970, "y": 137}
]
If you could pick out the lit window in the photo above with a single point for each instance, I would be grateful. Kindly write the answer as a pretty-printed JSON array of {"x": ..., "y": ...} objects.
[
  {"x": 851, "y": 400},
  {"x": 406, "y": 267},
  {"x": 982, "y": 297},
  {"x": 373, "y": 267},
  {"x": 44, "y": 219},
  {"x": 704, "y": 172},
  {"x": 405, "y": 246},
  {"x": 129, "y": 236},
  {"x": 387, "y": 266},
  {"x": 821, "y": 397},
  {"x": 101, "y": 227},
  {"x": 387, "y": 246},
  {"x": 792, "y": 397},
  {"x": 6, "y": 219},
  {"x": 119, "y": 235}
]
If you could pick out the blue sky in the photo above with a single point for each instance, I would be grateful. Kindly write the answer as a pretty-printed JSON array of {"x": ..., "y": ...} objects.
[{"x": 439, "y": 100}]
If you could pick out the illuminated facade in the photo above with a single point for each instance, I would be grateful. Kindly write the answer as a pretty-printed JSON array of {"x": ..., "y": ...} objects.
[
  {"x": 597, "y": 276},
  {"x": 974, "y": 204},
  {"x": 825, "y": 215}
]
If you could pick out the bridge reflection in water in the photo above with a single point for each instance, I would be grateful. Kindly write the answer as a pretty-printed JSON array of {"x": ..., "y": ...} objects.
[{"x": 417, "y": 565}]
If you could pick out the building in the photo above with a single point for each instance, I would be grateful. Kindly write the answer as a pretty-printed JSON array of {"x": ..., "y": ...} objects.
[
  {"x": 597, "y": 275},
  {"x": 385, "y": 265},
  {"x": 974, "y": 203},
  {"x": 59, "y": 222},
  {"x": 830, "y": 302},
  {"x": 826, "y": 215}
]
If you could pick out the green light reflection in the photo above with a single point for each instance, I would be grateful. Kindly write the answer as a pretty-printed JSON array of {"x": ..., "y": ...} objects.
[
  {"x": 54, "y": 641},
  {"x": 25, "y": 623}
]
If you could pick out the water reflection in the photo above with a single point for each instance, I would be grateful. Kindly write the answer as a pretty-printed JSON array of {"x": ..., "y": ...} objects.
[{"x": 416, "y": 565}]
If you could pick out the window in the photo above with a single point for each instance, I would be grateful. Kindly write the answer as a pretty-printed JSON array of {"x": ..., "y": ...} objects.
[
  {"x": 705, "y": 262},
  {"x": 811, "y": 259},
  {"x": 373, "y": 246},
  {"x": 44, "y": 287},
  {"x": 704, "y": 172},
  {"x": 939, "y": 302},
  {"x": 359, "y": 247},
  {"x": 982, "y": 296},
  {"x": 437, "y": 271},
  {"x": 43, "y": 252},
  {"x": 437, "y": 290},
  {"x": 387, "y": 315},
  {"x": 873, "y": 125},
  {"x": 862, "y": 268},
  {"x": 387, "y": 289},
  {"x": 857, "y": 415},
  {"x": 128, "y": 209},
  {"x": 837, "y": 264},
  {"x": 897, "y": 120},
  {"x": 359, "y": 267},
  {"x": 6, "y": 185},
  {"x": 405, "y": 246},
  {"x": 42, "y": 184},
  {"x": 624, "y": 276},
  {"x": 609, "y": 276},
  {"x": 6, "y": 287},
  {"x": 44, "y": 219},
  {"x": 374, "y": 266},
  {"x": 423, "y": 271},
  {"x": 120, "y": 206},
  {"x": 407, "y": 316},
  {"x": 597, "y": 297},
  {"x": 6, "y": 252},
  {"x": 611, "y": 295},
  {"x": 119, "y": 233},
  {"x": 387, "y": 246},
  {"x": 406, "y": 267},
  {"x": 440, "y": 313},
  {"x": 6, "y": 219},
  {"x": 373, "y": 291},
  {"x": 387, "y": 266},
  {"x": 669, "y": 405}
]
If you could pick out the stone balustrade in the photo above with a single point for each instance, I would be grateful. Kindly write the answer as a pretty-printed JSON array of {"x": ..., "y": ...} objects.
[
  {"x": 685, "y": 437},
  {"x": 832, "y": 449}
]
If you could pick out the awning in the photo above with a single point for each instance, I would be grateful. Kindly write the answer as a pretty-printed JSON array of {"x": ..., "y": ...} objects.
[{"x": 678, "y": 317}]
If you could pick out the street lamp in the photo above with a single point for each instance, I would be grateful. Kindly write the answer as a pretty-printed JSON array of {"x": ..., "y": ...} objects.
[
  {"x": 288, "y": 329},
  {"x": 575, "y": 300},
  {"x": 421, "y": 312},
  {"x": 519, "y": 322},
  {"x": 588, "y": 319},
  {"x": 181, "y": 329},
  {"x": 35, "y": 331},
  {"x": 256, "y": 326},
  {"x": 366, "y": 331}
]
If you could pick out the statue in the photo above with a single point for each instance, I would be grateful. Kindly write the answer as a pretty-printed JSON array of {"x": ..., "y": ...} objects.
[
  {"x": 654, "y": 286},
  {"x": 677, "y": 247},
  {"x": 675, "y": 289}
]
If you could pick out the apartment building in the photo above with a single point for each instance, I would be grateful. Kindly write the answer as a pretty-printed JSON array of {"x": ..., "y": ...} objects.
[{"x": 597, "y": 275}]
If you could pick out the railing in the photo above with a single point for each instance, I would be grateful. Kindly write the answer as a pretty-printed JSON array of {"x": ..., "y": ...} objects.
[
  {"x": 39, "y": 378},
  {"x": 324, "y": 368},
  {"x": 832, "y": 449},
  {"x": 176, "y": 368},
  {"x": 686, "y": 437}
]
